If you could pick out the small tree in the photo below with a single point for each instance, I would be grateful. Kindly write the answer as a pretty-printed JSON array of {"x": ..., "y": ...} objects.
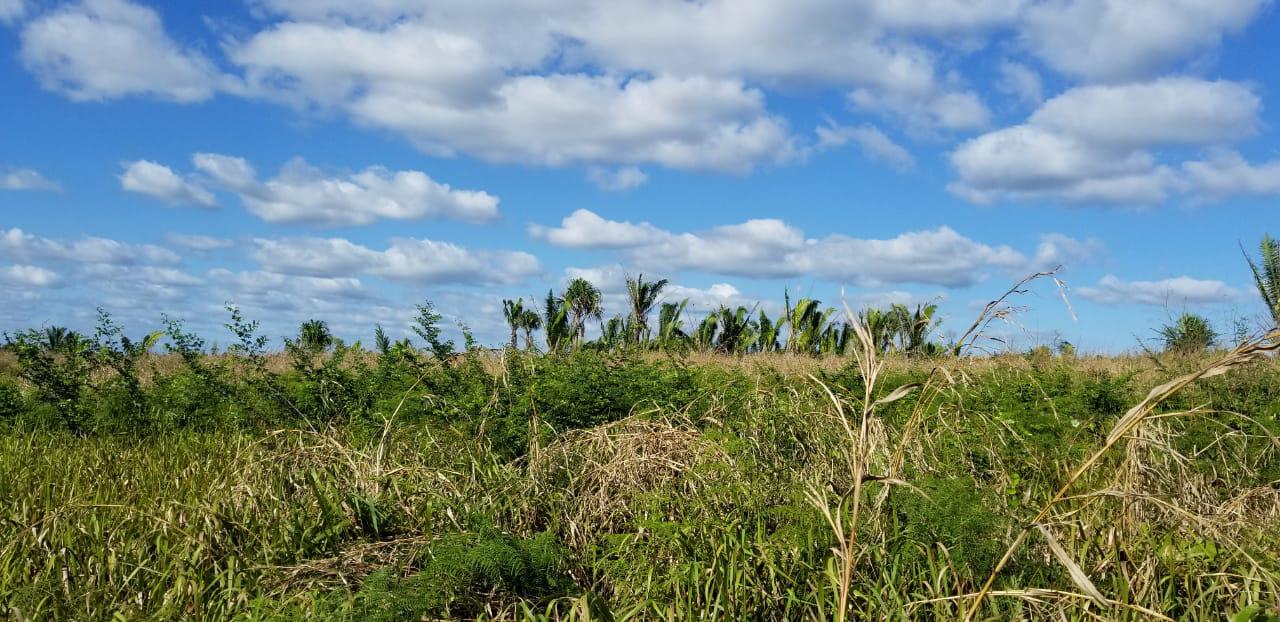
[
  {"x": 315, "y": 336},
  {"x": 427, "y": 326},
  {"x": 1189, "y": 334}
]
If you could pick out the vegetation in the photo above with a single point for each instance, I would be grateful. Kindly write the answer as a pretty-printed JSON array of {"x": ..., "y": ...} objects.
[
  {"x": 1189, "y": 334},
  {"x": 1266, "y": 275},
  {"x": 852, "y": 467}
]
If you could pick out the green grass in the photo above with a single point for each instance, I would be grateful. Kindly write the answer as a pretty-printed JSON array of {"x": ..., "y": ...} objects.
[{"x": 607, "y": 486}]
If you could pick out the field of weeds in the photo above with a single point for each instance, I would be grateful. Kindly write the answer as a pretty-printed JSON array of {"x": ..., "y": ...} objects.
[{"x": 355, "y": 485}]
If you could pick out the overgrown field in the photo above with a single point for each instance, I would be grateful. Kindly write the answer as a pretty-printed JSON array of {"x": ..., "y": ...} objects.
[{"x": 349, "y": 485}]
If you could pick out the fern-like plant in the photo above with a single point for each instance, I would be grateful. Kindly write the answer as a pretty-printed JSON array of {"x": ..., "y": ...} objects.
[{"x": 1266, "y": 275}]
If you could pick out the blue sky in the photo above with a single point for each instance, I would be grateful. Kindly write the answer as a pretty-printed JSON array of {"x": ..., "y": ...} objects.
[{"x": 344, "y": 161}]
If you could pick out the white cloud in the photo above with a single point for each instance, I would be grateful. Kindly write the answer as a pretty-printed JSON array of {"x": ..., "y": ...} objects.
[
  {"x": 1226, "y": 174},
  {"x": 874, "y": 143},
  {"x": 1093, "y": 144},
  {"x": 408, "y": 260},
  {"x": 1021, "y": 81},
  {"x": 11, "y": 10},
  {"x": 612, "y": 84},
  {"x": 105, "y": 49},
  {"x": 586, "y": 229},
  {"x": 1183, "y": 111},
  {"x": 28, "y": 276},
  {"x": 770, "y": 248},
  {"x": 1056, "y": 249},
  {"x": 25, "y": 179},
  {"x": 947, "y": 110},
  {"x": 18, "y": 244},
  {"x": 1115, "y": 40},
  {"x": 272, "y": 290},
  {"x": 1174, "y": 291},
  {"x": 302, "y": 193},
  {"x": 618, "y": 179},
  {"x": 451, "y": 91},
  {"x": 159, "y": 181},
  {"x": 196, "y": 242}
]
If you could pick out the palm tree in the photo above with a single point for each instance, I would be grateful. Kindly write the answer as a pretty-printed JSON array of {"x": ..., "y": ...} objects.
[
  {"x": 736, "y": 330},
  {"x": 767, "y": 337},
  {"x": 643, "y": 296},
  {"x": 1266, "y": 275},
  {"x": 704, "y": 336},
  {"x": 1189, "y": 334},
  {"x": 805, "y": 322},
  {"x": 60, "y": 339},
  {"x": 314, "y": 336},
  {"x": 670, "y": 324},
  {"x": 879, "y": 327},
  {"x": 583, "y": 300},
  {"x": 513, "y": 311},
  {"x": 529, "y": 321},
  {"x": 835, "y": 338},
  {"x": 555, "y": 318},
  {"x": 614, "y": 332},
  {"x": 918, "y": 327}
]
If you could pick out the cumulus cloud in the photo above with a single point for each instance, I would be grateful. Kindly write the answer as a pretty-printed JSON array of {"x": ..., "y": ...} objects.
[
  {"x": 405, "y": 259},
  {"x": 271, "y": 290},
  {"x": 1094, "y": 144},
  {"x": 1021, "y": 81},
  {"x": 1227, "y": 174},
  {"x": 618, "y": 179},
  {"x": 1177, "y": 111},
  {"x": 159, "y": 181},
  {"x": 11, "y": 10},
  {"x": 20, "y": 275},
  {"x": 614, "y": 84},
  {"x": 586, "y": 229},
  {"x": 452, "y": 92},
  {"x": 301, "y": 193},
  {"x": 770, "y": 248},
  {"x": 874, "y": 143},
  {"x": 106, "y": 49},
  {"x": 1056, "y": 249},
  {"x": 1115, "y": 40},
  {"x": 22, "y": 246},
  {"x": 25, "y": 179},
  {"x": 1173, "y": 291},
  {"x": 199, "y": 243}
]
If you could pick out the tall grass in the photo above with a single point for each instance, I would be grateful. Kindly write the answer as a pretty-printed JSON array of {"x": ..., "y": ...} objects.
[{"x": 597, "y": 486}]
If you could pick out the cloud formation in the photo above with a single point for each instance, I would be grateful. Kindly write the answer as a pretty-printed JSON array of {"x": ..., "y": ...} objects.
[
  {"x": 95, "y": 50},
  {"x": 1166, "y": 292},
  {"x": 408, "y": 260},
  {"x": 1096, "y": 144},
  {"x": 770, "y": 248},
  {"x": 159, "y": 181},
  {"x": 25, "y": 179}
]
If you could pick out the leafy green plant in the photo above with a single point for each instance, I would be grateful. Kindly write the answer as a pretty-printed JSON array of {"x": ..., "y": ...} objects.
[
  {"x": 1189, "y": 334},
  {"x": 1266, "y": 275}
]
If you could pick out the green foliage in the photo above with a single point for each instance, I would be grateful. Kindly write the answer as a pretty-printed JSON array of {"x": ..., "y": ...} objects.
[
  {"x": 427, "y": 326},
  {"x": 637, "y": 485},
  {"x": 11, "y": 400},
  {"x": 1189, "y": 334},
  {"x": 958, "y": 513},
  {"x": 642, "y": 296},
  {"x": 1266, "y": 275}
]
